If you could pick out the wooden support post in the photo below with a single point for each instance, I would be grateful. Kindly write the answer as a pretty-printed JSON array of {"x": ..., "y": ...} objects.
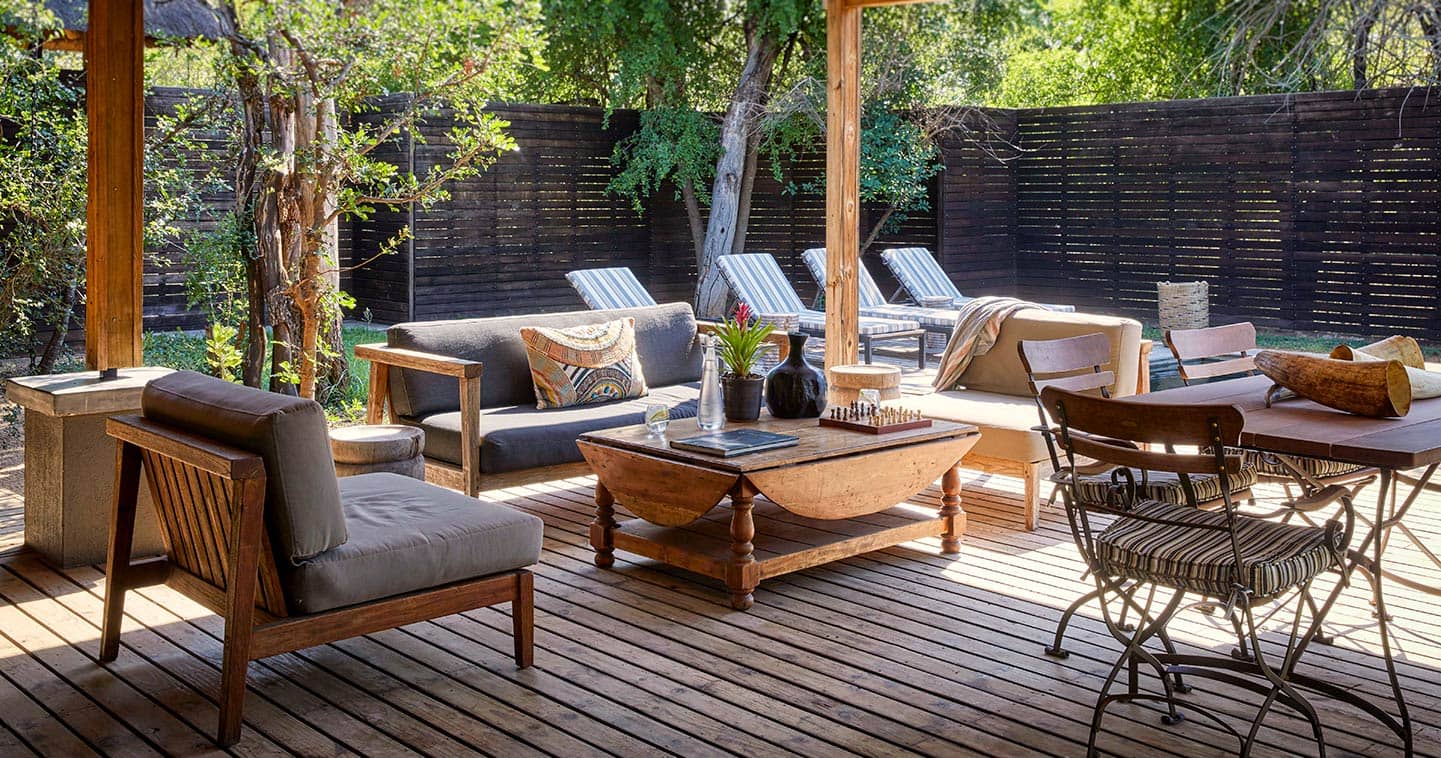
[
  {"x": 114, "y": 102},
  {"x": 843, "y": 168}
]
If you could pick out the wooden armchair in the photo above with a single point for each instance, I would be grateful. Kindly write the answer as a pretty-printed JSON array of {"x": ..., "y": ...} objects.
[{"x": 218, "y": 507}]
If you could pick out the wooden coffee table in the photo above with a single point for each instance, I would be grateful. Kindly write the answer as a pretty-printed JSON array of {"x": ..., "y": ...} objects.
[{"x": 832, "y": 475}]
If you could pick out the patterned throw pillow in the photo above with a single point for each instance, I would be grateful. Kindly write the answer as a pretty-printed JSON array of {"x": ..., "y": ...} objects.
[{"x": 595, "y": 363}]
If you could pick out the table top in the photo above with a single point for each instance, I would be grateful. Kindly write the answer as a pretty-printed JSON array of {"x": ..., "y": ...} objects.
[
  {"x": 816, "y": 442},
  {"x": 82, "y": 393},
  {"x": 1304, "y": 428}
]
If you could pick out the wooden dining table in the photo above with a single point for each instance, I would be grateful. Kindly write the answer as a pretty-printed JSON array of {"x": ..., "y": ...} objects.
[{"x": 1405, "y": 451}]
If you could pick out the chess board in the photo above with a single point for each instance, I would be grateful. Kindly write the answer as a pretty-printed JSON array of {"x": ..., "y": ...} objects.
[{"x": 873, "y": 420}]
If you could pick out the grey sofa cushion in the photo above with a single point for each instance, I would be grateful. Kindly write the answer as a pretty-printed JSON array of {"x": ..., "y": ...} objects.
[
  {"x": 302, "y": 505},
  {"x": 407, "y": 535},
  {"x": 664, "y": 336},
  {"x": 521, "y": 437}
]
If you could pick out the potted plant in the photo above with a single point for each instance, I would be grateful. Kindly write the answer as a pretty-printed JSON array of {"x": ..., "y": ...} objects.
[{"x": 739, "y": 340}]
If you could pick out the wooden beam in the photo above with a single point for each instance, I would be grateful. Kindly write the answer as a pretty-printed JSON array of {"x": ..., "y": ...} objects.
[
  {"x": 843, "y": 168},
  {"x": 115, "y": 266}
]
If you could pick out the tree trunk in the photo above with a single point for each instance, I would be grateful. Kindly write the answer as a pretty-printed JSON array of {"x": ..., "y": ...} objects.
[
  {"x": 735, "y": 135},
  {"x": 247, "y": 203},
  {"x": 748, "y": 183},
  {"x": 694, "y": 218},
  {"x": 58, "y": 331},
  {"x": 876, "y": 229},
  {"x": 277, "y": 229}
]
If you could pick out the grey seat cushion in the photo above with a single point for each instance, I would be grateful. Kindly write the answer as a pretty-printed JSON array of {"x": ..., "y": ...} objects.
[
  {"x": 407, "y": 535},
  {"x": 520, "y": 437},
  {"x": 664, "y": 340},
  {"x": 302, "y": 504}
]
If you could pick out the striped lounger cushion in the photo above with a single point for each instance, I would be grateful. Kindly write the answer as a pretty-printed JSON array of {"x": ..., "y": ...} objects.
[
  {"x": 873, "y": 303},
  {"x": 609, "y": 288},
  {"x": 1163, "y": 486},
  {"x": 921, "y": 276},
  {"x": 756, "y": 279},
  {"x": 1275, "y": 557}
]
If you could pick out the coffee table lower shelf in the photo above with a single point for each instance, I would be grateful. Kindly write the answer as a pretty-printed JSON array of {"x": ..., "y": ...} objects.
[{"x": 783, "y": 542}]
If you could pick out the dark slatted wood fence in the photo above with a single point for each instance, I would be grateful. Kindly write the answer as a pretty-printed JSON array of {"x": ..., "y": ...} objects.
[{"x": 1319, "y": 212}]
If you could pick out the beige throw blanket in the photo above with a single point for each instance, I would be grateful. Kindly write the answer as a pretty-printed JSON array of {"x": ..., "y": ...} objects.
[{"x": 976, "y": 328}]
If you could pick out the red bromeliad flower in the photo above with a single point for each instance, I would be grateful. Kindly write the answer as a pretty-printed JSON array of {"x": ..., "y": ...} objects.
[{"x": 744, "y": 314}]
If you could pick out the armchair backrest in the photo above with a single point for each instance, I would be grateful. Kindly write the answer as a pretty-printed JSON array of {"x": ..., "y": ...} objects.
[
  {"x": 302, "y": 505},
  {"x": 1000, "y": 369},
  {"x": 664, "y": 338}
]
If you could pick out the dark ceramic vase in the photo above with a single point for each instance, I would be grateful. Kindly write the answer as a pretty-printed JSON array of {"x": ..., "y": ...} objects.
[
  {"x": 742, "y": 397},
  {"x": 796, "y": 389}
]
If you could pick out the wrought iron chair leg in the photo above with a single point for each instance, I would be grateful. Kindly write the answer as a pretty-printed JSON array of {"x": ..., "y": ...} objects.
[{"x": 1055, "y": 650}]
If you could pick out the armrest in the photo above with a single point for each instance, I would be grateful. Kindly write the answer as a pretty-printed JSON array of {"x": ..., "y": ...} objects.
[
  {"x": 206, "y": 455},
  {"x": 420, "y": 361},
  {"x": 779, "y": 339}
]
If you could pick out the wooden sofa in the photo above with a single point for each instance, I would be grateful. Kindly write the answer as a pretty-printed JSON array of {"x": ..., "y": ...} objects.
[
  {"x": 467, "y": 383},
  {"x": 995, "y": 395}
]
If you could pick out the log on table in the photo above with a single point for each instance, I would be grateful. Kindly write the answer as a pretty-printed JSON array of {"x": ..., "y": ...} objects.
[
  {"x": 1397, "y": 348},
  {"x": 1379, "y": 389}
]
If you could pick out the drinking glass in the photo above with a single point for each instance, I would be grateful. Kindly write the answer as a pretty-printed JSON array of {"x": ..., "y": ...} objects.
[{"x": 657, "y": 418}]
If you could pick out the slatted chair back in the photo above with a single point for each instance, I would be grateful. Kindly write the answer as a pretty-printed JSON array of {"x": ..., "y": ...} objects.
[
  {"x": 870, "y": 292},
  {"x": 1119, "y": 431},
  {"x": 1195, "y": 350},
  {"x": 207, "y": 496},
  {"x": 1073, "y": 363},
  {"x": 609, "y": 288}
]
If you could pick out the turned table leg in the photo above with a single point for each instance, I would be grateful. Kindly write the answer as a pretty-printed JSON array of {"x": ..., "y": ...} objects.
[
  {"x": 603, "y": 527},
  {"x": 951, "y": 512},
  {"x": 741, "y": 574}
]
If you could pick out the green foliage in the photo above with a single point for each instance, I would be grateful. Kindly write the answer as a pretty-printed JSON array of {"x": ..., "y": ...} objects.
[
  {"x": 678, "y": 145},
  {"x": 221, "y": 355},
  {"x": 739, "y": 340},
  {"x": 188, "y": 351},
  {"x": 42, "y": 196}
]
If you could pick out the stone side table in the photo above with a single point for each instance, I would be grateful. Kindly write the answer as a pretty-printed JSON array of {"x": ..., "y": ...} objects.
[
  {"x": 70, "y": 464},
  {"x": 369, "y": 449}
]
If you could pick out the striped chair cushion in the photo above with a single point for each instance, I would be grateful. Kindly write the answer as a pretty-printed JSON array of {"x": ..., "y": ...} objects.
[
  {"x": 873, "y": 303},
  {"x": 871, "y": 296},
  {"x": 1274, "y": 556},
  {"x": 932, "y": 318},
  {"x": 917, "y": 270},
  {"x": 1163, "y": 486},
  {"x": 1318, "y": 468},
  {"x": 608, "y": 288},
  {"x": 815, "y": 321},
  {"x": 756, "y": 279}
]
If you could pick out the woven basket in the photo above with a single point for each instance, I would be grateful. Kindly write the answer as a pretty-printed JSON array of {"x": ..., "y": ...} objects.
[
  {"x": 935, "y": 341},
  {"x": 1183, "y": 305}
]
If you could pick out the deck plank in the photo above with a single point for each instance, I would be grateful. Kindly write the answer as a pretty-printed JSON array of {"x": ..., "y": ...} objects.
[{"x": 897, "y": 651}]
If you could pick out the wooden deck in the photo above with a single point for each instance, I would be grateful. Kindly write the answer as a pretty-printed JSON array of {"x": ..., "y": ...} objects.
[{"x": 895, "y": 652}]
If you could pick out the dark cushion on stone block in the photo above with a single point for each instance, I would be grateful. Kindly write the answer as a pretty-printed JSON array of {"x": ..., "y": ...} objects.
[
  {"x": 406, "y": 536},
  {"x": 520, "y": 437},
  {"x": 664, "y": 335},
  {"x": 302, "y": 506}
]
